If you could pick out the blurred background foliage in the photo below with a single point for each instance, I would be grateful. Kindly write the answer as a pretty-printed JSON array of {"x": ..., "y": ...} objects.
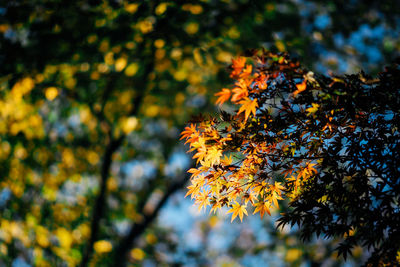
[{"x": 93, "y": 96}]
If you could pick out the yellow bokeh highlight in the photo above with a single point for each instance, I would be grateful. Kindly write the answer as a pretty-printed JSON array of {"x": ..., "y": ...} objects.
[
  {"x": 64, "y": 237},
  {"x": 145, "y": 26},
  {"x": 120, "y": 64},
  {"x": 131, "y": 8},
  {"x": 293, "y": 255},
  {"x": 42, "y": 236},
  {"x": 93, "y": 157},
  {"x": 102, "y": 246},
  {"x": 159, "y": 43},
  {"x": 132, "y": 69},
  {"x": 51, "y": 93},
  {"x": 161, "y": 8},
  {"x": 194, "y": 9},
  {"x": 151, "y": 239},
  {"x": 180, "y": 75},
  {"x": 152, "y": 111},
  {"x": 104, "y": 46},
  {"x": 224, "y": 56},
  {"x": 192, "y": 28},
  {"x": 49, "y": 193},
  {"x": 137, "y": 254},
  {"x": 176, "y": 53},
  {"x": 280, "y": 46},
  {"x": 213, "y": 221},
  {"x": 22, "y": 87},
  {"x": 109, "y": 58},
  {"x": 129, "y": 124}
]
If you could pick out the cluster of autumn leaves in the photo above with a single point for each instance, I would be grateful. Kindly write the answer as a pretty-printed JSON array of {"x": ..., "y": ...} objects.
[{"x": 233, "y": 169}]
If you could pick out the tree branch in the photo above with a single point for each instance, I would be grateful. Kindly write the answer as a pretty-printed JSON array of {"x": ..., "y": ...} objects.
[
  {"x": 100, "y": 205},
  {"x": 138, "y": 228}
]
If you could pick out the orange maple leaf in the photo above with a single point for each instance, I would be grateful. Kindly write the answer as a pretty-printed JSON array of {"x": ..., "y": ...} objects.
[
  {"x": 237, "y": 65},
  {"x": 248, "y": 106},
  {"x": 241, "y": 90},
  {"x": 300, "y": 87},
  {"x": 261, "y": 82},
  {"x": 262, "y": 207},
  {"x": 224, "y": 96},
  {"x": 246, "y": 71},
  {"x": 188, "y": 133}
]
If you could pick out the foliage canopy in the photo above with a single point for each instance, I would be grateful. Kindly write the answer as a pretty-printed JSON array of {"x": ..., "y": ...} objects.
[
  {"x": 93, "y": 94},
  {"x": 330, "y": 145}
]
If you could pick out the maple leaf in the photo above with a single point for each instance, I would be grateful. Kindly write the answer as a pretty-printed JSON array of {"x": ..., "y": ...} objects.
[
  {"x": 307, "y": 171},
  {"x": 237, "y": 209},
  {"x": 226, "y": 160},
  {"x": 189, "y": 131},
  {"x": 260, "y": 187},
  {"x": 213, "y": 156},
  {"x": 216, "y": 205},
  {"x": 261, "y": 82},
  {"x": 277, "y": 187},
  {"x": 262, "y": 207},
  {"x": 300, "y": 87},
  {"x": 274, "y": 197},
  {"x": 195, "y": 172},
  {"x": 224, "y": 96},
  {"x": 295, "y": 181},
  {"x": 202, "y": 200},
  {"x": 237, "y": 65},
  {"x": 250, "y": 196},
  {"x": 248, "y": 106},
  {"x": 235, "y": 192},
  {"x": 312, "y": 109},
  {"x": 194, "y": 188},
  {"x": 241, "y": 90},
  {"x": 310, "y": 168},
  {"x": 201, "y": 148},
  {"x": 246, "y": 71}
]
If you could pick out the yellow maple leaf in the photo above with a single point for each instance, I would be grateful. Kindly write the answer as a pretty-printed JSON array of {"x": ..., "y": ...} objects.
[
  {"x": 202, "y": 200},
  {"x": 248, "y": 106},
  {"x": 260, "y": 187},
  {"x": 274, "y": 197},
  {"x": 201, "y": 148},
  {"x": 237, "y": 209},
  {"x": 217, "y": 205},
  {"x": 213, "y": 156},
  {"x": 312, "y": 109}
]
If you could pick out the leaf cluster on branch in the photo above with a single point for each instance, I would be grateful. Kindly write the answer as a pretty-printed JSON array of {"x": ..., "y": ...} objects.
[{"x": 329, "y": 145}]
